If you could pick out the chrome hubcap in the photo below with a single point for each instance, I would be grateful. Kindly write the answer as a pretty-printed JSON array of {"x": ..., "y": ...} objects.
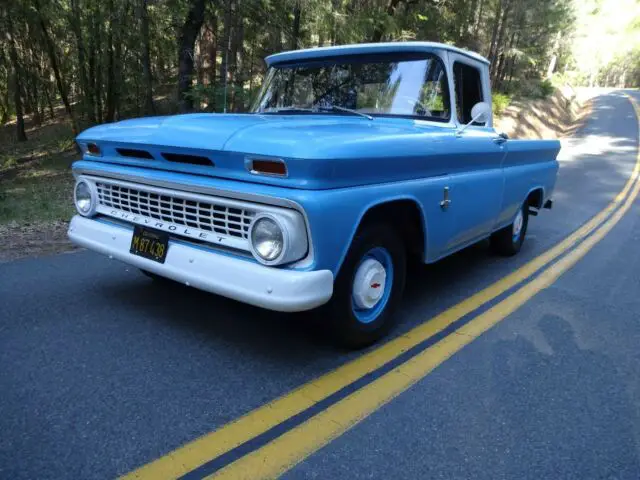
[{"x": 369, "y": 284}]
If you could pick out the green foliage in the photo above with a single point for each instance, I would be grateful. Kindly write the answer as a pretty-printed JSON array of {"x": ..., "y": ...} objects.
[
  {"x": 500, "y": 102},
  {"x": 532, "y": 88},
  {"x": 605, "y": 47},
  {"x": 10, "y": 162},
  {"x": 546, "y": 88},
  {"x": 102, "y": 42}
]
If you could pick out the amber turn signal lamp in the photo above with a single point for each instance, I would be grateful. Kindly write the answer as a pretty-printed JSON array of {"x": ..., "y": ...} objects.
[
  {"x": 93, "y": 149},
  {"x": 269, "y": 167}
]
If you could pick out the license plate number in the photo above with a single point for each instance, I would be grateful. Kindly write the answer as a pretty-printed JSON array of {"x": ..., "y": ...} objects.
[{"x": 151, "y": 244}]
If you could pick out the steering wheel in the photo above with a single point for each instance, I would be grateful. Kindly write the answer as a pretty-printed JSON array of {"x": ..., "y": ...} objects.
[{"x": 414, "y": 101}]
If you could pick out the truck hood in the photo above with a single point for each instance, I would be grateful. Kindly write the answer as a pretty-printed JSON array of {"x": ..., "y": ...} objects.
[
  {"x": 321, "y": 151},
  {"x": 297, "y": 136}
]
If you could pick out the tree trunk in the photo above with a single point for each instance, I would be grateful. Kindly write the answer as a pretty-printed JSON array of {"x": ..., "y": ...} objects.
[
  {"x": 82, "y": 68},
  {"x": 478, "y": 17},
  {"x": 187, "y": 39},
  {"x": 503, "y": 26},
  {"x": 111, "y": 74},
  {"x": 295, "y": 37},
  {"x": 117, "y": 70},
  {"x": 235, "y": 58},
  {"x": 20, "y": 133},
  {"x": 56, "y": 70},
  {"x": 213, "y": 54},
  {"x": 31, "y": 97},
  {"x": 225, "y": 42},
  {"x": 26, "y": 95},
  {"x": 149, "y": 108},
  {"x": 95, "y": 69},
  {"x": 333, "y": 34},
  {"x": 494, "y": 34},
  {"x": 47, "y": 96},
  {"x": 554, "y": 56},
  {"x": 4, "y": 106},
  {"x": 514, "y": 60}
]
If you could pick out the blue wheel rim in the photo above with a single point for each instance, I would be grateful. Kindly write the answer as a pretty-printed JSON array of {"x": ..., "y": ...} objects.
[{"x": 368, "y": 315}]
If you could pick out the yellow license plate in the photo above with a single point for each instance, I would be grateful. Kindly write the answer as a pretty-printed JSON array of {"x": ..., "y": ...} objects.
[{"x": 151, "y": 244}]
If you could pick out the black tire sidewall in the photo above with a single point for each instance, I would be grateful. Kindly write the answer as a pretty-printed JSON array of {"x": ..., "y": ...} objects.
[
  {"x": 349, "y": 330},
  {"x": 502, "y": 241}
]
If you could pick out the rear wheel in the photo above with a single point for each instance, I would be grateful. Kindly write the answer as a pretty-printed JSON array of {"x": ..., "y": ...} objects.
[
  {"x": 508, "y": 241},
  {"x": 368, "y": 287}
]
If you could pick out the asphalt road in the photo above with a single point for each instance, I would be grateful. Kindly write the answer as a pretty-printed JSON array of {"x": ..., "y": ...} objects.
[{"x": 101, "y": 370}]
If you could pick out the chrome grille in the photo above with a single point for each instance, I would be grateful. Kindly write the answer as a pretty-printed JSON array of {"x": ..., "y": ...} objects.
[{"x": 209, "y": 216}]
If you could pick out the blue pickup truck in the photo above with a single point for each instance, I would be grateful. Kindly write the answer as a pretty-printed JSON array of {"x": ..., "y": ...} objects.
[{"x": 354, "y": 161}]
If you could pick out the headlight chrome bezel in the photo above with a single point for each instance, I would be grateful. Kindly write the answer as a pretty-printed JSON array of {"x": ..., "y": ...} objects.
[
  {"x": 285, "y": 239},
  {"x": 92, "y": 195},
  {"x": 294, "y": 237}
]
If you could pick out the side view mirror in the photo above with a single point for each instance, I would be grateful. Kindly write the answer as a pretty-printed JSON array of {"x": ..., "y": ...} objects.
[{"x": 481, "y": 112}]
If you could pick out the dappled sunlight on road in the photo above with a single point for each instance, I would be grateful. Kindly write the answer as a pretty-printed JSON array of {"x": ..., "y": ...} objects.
[{"x": 575, "y": 148}]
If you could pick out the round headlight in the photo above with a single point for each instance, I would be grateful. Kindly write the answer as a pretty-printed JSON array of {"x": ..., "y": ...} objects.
[
  {"x": 83, "y": 198},
  {"x": 267, "y": 239}
]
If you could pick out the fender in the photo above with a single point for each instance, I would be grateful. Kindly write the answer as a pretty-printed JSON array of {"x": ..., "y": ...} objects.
[{"x": 373, "y": 204}]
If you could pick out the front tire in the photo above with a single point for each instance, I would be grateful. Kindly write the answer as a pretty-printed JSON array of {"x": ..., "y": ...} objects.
[
  {"x": 508, "y": 241},
  {"x": 369, "y": 287}
]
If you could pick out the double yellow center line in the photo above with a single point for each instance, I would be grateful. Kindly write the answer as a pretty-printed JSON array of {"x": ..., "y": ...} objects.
[{"x": 271, "y": 439}]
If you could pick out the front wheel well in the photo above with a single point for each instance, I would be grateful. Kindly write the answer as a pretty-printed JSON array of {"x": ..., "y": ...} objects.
[
  {"x": 406, "y": 217},
  {"x": 535, "y": 198}
]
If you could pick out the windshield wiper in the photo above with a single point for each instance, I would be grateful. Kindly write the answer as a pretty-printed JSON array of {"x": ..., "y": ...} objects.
[
  {"x": 316, "y": 109},
  {"x": 336, "y": 108},
  {"x": 292, "y": 109}
]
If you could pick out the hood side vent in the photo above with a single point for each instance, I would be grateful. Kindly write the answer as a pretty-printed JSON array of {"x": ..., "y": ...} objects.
[
  {"x": 189, "y": 159},
  {"x": 133, "y": 153}
]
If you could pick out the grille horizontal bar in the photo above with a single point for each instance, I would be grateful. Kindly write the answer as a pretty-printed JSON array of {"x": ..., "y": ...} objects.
[{"x": 208, "y": 216}]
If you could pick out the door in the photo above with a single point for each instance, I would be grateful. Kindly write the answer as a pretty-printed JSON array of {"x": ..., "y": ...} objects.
[{"x": 476, "y": 170}]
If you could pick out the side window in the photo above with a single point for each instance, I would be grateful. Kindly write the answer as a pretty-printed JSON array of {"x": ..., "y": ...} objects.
[{"x": 468, "y": 85}]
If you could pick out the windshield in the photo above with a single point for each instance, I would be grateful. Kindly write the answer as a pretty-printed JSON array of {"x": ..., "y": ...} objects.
[{"x": 407, "y": 86}]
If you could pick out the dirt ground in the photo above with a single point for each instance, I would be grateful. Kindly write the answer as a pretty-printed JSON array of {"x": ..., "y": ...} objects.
[
  {"x": 33, "y": 239},
  {"x": 35, "y": 188},
  {"x": 36, "y": 180},
  {"x": 558, "y": 116}
]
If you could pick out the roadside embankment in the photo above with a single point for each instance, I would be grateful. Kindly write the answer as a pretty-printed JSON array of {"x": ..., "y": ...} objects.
[{"x": 557, "y": 116}]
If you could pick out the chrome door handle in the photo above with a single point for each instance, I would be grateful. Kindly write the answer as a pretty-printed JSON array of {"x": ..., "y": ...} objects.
[
  {"x": 500, "y": 139},
  {"x": 445, "y": 203}
]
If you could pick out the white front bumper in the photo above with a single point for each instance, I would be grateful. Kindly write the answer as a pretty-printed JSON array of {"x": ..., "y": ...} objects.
[{"x": 273, "y": 288}]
